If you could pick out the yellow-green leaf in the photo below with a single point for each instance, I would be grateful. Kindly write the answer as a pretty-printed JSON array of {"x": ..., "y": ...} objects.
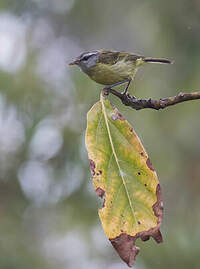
[{"x": 124, "y": 176}]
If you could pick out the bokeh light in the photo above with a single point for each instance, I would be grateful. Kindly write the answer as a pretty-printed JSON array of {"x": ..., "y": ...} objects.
[{"x": 48, "y": 205}]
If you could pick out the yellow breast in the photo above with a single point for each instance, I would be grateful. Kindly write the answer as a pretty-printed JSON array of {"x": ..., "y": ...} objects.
[{"x": 107, "y": 74}]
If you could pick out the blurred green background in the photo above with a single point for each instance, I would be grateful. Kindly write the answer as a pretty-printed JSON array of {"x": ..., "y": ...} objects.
[{"x": 48, "y": 208}]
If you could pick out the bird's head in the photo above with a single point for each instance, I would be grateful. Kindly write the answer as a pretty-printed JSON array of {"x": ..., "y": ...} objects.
[{"x": 86, "y": 60}]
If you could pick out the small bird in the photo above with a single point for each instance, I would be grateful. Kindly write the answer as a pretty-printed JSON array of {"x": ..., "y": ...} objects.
[{"x": 112, "y": 68}]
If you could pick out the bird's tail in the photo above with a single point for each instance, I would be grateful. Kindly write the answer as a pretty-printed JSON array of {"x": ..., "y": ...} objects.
[{"x": 157, "y": 60}]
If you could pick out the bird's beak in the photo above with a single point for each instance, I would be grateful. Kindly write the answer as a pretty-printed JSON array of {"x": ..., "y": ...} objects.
[{"x": 74, "y": 62}]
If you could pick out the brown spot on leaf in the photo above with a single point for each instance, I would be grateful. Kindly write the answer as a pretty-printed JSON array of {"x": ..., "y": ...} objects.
[
  {"x": 145, "y": 184},
  {"x": 149, "y": 164},
  {"x": 124, "y": 245},
  {"x": 142, "y": 153},
  {"x": 100, "y": 192},
  {"x": 99, "y": 173},
  {"x": 104, "y": 200},
  {"x": 158, "y": 206},
  {"x": 139, "y": 222},
  {"x": 158, "y": 211},
  {"x": 145, "y": 237},
  {"x": 131, "y": 130},
  {"x": 157, "y": 236},
  {"x": 92, "y": 167},
  {"x": 139, "y": 173},
  {"x": 117, "y": 116}
]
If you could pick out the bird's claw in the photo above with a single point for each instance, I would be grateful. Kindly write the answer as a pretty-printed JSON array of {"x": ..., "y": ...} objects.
[{"x": 124, "y": 93}]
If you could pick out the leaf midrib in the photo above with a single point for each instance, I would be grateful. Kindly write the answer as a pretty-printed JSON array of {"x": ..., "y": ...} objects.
[{"x": 115, "y": 155}]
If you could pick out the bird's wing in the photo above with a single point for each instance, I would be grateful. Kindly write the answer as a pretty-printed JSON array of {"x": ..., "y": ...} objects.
[{"x": 111, "y": 57}]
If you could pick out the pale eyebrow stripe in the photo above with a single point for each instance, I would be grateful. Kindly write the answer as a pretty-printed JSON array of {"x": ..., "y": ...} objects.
[{"x": 89, "y": 54}]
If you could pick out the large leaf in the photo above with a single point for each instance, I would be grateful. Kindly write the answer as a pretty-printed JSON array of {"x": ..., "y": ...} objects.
[{"x": 123, "y": 174}]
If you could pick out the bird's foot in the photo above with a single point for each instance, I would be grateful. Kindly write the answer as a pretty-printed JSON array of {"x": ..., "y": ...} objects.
[{"x": 125, "y": 94}]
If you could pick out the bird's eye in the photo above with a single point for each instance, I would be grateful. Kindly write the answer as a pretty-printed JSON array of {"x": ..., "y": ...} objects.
[{"x": 85, "y": 58}]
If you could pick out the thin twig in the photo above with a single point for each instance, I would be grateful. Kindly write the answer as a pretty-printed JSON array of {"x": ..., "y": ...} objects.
[{"x": 162, "y": 103}]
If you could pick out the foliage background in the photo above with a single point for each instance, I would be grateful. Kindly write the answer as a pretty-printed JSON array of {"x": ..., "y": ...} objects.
[{"x": 48, "y": 209}]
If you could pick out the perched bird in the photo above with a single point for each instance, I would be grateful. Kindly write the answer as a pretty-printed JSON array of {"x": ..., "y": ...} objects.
[{"x": 112, "y": 68}]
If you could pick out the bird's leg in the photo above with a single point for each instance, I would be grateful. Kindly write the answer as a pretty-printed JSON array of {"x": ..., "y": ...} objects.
[
  {"x": 107, "y": 88},
  {"x": 126, "y": 89},
  {"x": 116, "y": 84}
]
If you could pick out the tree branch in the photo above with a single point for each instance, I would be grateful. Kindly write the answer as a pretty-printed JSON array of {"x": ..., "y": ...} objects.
[{"x": 162, "y": 103}]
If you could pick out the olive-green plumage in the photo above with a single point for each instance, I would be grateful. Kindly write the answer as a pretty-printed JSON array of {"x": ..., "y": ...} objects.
[{"x": 111, "y": 68}]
